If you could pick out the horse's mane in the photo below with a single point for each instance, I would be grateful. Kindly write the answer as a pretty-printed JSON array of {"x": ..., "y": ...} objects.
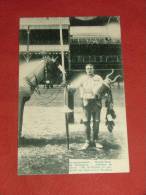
[{"x": 27, "y": 69}]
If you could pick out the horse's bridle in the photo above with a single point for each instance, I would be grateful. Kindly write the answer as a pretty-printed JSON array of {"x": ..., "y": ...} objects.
[{"x": 33, "y": 87}]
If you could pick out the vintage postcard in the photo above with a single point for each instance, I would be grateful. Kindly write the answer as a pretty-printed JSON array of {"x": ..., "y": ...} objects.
[{"x": 72, "y": 114}]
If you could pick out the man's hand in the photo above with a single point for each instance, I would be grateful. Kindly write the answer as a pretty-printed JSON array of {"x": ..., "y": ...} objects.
[
  {"x": 71, "y": 89},
  {"x": 64, "y": 84}
]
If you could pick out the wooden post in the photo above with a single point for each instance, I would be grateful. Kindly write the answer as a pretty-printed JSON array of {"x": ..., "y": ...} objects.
[
  {"x": 66, "y": 116},
  {"x": 62, "y": 52},
  {"x": 69, "y": 57},
  {"x": 71, "y": 106},
  {"x": 27, "y": 49}
]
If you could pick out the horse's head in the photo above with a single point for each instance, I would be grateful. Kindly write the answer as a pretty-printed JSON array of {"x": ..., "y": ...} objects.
[
  {"x": 32, "y": 73},
  {"x": 53, "y": 69}
]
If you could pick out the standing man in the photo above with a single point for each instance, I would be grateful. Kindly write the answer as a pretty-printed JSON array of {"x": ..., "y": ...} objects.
[{"x": 91, "y": 104}]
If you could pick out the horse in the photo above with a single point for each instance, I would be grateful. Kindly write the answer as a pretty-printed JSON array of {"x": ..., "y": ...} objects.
[{"x": 30, "y": 75}]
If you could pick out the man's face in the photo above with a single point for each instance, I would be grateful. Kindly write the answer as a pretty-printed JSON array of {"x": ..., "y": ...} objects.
[{"x": 89, "y": 70}]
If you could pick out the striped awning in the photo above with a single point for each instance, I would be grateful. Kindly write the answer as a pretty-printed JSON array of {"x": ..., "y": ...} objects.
[
  {"x": 44, "y": 48},
  {"x": 44, "y": 23}
]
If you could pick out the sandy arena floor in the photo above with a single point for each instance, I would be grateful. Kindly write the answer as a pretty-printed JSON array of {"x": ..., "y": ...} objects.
[{"x": 44, "y": 149}]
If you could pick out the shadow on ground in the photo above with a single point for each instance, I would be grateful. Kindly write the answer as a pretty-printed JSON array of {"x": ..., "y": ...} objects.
[{"x": 41, "y": 142}]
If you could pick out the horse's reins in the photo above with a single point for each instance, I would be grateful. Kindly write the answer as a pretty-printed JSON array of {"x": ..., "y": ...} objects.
[{"x": 33, "y": 87}]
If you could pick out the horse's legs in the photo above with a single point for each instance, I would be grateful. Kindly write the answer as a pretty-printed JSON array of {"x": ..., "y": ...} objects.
[
  {"x": 22, "y": 101},
  {"x": 20, "y": 116}
]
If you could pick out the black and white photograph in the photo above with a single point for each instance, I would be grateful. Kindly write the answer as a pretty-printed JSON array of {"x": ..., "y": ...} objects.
[{"x": 72, "y": 113}]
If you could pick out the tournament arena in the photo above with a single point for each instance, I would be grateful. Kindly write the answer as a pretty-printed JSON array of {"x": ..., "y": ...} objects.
[{"x": 52, "y": 129}]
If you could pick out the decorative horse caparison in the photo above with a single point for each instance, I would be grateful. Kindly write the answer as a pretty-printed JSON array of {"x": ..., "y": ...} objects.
[{"x": 30, "y": 75}]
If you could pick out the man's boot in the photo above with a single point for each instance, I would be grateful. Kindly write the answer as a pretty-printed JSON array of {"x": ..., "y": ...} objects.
[
  {"x": 86, "y": 145},
  {"x": 95, "y": 135},
  {"x": 88, "y": 136}
]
